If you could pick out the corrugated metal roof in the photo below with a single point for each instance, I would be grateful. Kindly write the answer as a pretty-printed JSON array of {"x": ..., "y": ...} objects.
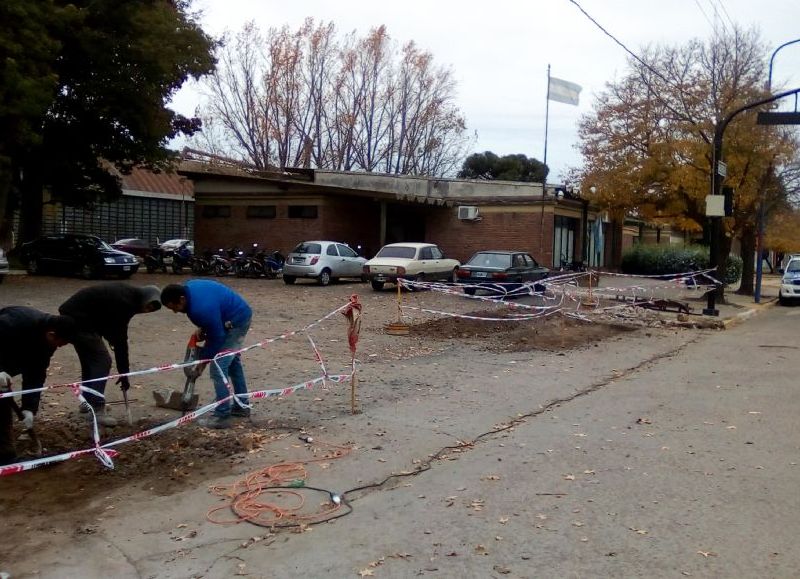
[{"x": 170, "y": 184}]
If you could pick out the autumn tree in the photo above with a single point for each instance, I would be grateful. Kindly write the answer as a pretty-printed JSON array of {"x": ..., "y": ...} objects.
[
  {"x": 517, "y": 167},
  {"x": 84, "y": 84},
  {"x": 307, "y": 97},
  {"x": 647, "y": 145}
]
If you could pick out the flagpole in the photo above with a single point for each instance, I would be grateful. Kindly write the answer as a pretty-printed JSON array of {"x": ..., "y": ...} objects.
[{"x": 544, "y": 181}]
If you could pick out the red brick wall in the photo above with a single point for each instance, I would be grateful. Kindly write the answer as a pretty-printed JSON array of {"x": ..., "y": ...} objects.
[
  {"x": 508, "y": 230},
  {"x": 352, "y": 221}
]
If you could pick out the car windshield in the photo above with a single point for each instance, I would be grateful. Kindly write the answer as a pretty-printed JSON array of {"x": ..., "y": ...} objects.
[
  {"x": 794, "y": 266},
  {"x": 498, "y": 260},
  {"x": 402, "y": 251},
  {"x": 312, "y": 248},
  {"x": 93, "y": 242}
]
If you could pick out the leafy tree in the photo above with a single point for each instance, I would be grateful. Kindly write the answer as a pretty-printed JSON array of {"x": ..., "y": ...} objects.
[
  {"x": 506, "y": 168},
  {"x": 84, "y": 85},
  {"x": 647, "y": 145}
]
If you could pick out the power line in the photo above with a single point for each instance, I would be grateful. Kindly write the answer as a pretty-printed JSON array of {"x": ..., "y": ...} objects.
[
  {"x": 703, "y": 12},
  {"x": 725, "y": 12}
]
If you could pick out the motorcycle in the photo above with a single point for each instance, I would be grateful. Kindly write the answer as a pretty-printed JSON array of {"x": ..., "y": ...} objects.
[
  {"x": 273, "y": 264},
  {"x": 250, "y": 265},
  {"x": 222, "y": 263},
  {"x": 202, "y": 264},
  {"x": 154, "y": 261},
  {"x": 177, "y": 259}
]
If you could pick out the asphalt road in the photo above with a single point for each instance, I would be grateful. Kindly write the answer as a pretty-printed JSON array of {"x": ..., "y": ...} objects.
[{"x": 656, "y": 454}]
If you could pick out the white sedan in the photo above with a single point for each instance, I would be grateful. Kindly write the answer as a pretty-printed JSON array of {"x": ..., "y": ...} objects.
[{"x": 417, "y": 261}]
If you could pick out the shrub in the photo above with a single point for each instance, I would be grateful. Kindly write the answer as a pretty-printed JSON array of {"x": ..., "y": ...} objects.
[{"x": 672, "y": 259}]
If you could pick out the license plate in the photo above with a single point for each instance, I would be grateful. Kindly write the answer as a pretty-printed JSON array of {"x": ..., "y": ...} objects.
[
  {"x": 380, "y": 278},
  {"x": 126, "y": 268},
  {"x": 481, "y": 274},
  {"x": 168, "y": 260}
]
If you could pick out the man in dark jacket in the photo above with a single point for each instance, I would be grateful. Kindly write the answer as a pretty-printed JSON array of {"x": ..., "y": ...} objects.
[
  {"x": 223, "y": 319},
  {"x": 28, "y": 339},
  {"x": 104, "y": 311}
]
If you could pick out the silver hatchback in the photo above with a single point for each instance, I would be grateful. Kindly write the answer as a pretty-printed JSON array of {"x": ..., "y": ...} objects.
[{"x": 325, "y": 261}]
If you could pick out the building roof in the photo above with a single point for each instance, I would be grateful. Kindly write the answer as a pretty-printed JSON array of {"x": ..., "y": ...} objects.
[{"x": 143, "y": 182}]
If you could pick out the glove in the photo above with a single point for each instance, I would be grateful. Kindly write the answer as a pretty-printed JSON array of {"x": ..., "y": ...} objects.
[
  {"x": 27, "y": 419},
  {"x": 5, "y": 382},
  {"x": 124, "y": 383}
]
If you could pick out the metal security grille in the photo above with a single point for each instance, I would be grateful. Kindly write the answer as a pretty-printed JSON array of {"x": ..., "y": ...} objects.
[{"x": 146, "y": 218}]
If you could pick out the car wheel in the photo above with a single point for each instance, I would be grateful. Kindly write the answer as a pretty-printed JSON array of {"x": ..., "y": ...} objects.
[
  {"x": 289, "y": 279},
  {"x": 364, "y": 278},
  {"x": 88, "y": 271},
  {"x": 377, "y": 285},
  {"x": 454, "y": 276},
  {"x": 781, "y": 299},
  {"x": 470, "y": 291},
  {"x": 324, "y": 277},
  {"x": 33, "y": 266}
]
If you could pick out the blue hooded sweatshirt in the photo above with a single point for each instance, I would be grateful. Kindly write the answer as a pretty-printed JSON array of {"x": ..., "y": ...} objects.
[{"x": 211, "y": 305}]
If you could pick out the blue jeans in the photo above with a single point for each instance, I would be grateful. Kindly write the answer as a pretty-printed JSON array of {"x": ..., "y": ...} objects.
[{"x": 231, "y": 367}]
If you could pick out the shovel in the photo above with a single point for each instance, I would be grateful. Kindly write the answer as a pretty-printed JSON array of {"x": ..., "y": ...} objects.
[
  {"x": 34, "y": 438},
  {"x": 192, "y": 374}
]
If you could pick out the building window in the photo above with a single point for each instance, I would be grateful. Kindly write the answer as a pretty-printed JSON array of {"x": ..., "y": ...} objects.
[
  {"x": 303, "y": 212},
  {"x": 261, "y": 212},
  {"x": 216, "y": 211}
]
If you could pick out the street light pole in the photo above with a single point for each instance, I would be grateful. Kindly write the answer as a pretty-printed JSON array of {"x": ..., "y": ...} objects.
[
  {"x": 772, "y": 58},
  {"x": 761, "y": 208},
  {"x": 716, "y": 187}
]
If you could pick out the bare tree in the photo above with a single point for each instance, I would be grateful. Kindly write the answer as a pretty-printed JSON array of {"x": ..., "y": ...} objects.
[{"x": 304, "y": 97}]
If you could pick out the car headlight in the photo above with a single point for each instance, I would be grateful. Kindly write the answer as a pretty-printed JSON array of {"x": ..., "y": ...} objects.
[{"x": 108, "y": 259}]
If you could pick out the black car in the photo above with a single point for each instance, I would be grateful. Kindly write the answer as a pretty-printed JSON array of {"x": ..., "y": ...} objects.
[
  {"x": 73, "y": 254},
  {"x": 492, "y": 268}
]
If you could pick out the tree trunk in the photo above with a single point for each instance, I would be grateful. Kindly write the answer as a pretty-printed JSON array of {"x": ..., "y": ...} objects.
[
  {"x": 30, "y": 226},
  {"x": 748, "y": 266}
]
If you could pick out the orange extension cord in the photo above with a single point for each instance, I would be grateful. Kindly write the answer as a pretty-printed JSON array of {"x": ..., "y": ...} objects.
[{"x": 245, "y": 495}]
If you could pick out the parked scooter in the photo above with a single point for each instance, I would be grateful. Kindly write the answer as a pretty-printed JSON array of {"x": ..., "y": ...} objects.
[
  {"x": 273, "y": 264},
  {"x": 177, "y": 259}
]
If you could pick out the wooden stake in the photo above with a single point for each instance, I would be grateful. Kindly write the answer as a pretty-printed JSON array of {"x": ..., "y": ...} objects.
[{"x": 353, "y": 381}]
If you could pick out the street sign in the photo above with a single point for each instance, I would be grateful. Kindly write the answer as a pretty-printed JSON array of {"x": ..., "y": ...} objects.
[
  {"x": 722, "y": 169},
  {"x": 715, "y": 205},
  {"x": 780, "y": 118}
]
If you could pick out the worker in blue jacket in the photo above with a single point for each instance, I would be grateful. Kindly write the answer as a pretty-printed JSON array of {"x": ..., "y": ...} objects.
[{"x": 223, "y": 319}]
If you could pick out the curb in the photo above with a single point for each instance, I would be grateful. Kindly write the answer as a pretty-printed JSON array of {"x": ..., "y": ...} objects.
[{"x": 747, "y": 314}]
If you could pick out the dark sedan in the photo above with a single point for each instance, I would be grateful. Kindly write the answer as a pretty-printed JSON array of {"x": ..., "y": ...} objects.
[
  {"x": 499, "y": 269},
  {"x": 73, "y": 254}
]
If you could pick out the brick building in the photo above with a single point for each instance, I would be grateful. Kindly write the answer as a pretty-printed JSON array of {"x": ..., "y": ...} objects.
[{"x": 277, "y": 210}]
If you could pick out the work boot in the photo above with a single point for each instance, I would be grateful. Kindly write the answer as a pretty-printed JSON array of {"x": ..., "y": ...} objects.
[
  {"x": 103, "y": 419},
  {"x": 7, "y": 457},
  {"x": 215, "y": 421},
  {"x": 240, "y": 412}
]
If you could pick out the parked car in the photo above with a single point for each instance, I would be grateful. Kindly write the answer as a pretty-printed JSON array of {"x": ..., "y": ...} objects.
[
  {"x": 73, "y": 254},
  {"x": 790, "y": 282},
  {"x": 417, "y": 261},
  {"x": 134, "y": 246},
  {"x": 492, "y": 267},
  {"x": 325, "y": 261},
  {"x": 3, "y": 265},
  {"x": 785, "y": 261}
]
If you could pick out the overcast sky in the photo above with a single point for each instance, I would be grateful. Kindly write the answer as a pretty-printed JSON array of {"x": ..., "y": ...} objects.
[{"x": 499, "y": 50}]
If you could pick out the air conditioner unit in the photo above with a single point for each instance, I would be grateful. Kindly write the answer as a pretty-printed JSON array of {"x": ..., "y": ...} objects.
[{"x": 467, "y": 213}]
